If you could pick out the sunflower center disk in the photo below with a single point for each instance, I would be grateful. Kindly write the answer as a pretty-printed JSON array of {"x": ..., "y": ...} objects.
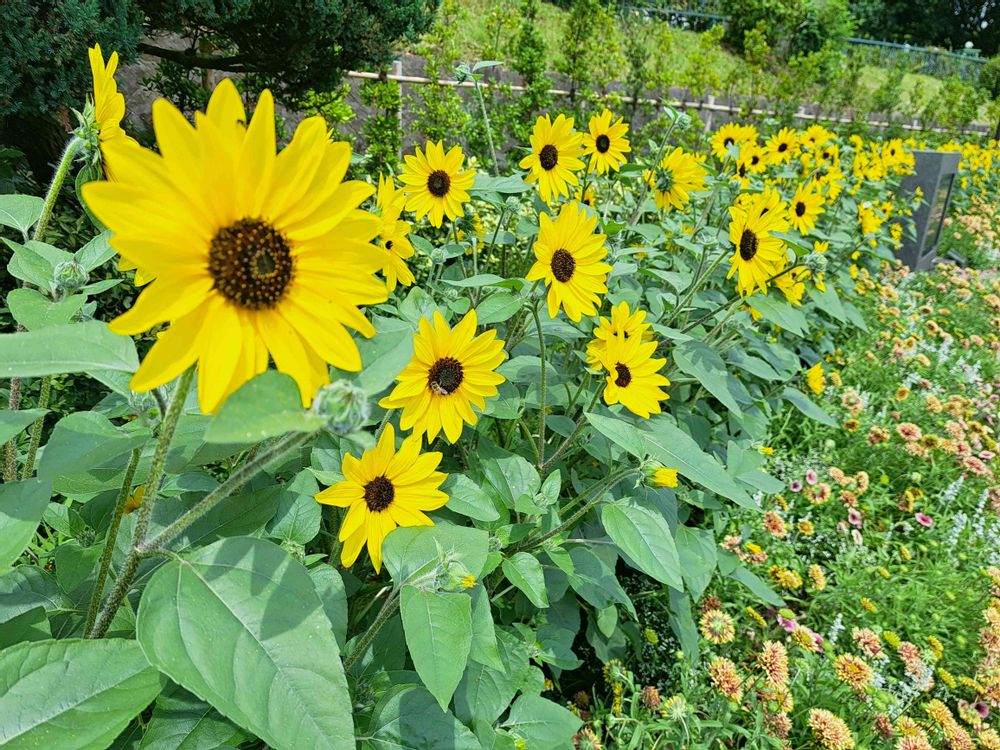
[
  {"x": 548, "y": 157},
  {"x": 563, "y": 265},
  {"x": 800, "y": 208},
  {"x": 624, "y": 375},
  {"x": 379, "y": 494},
  {"x": 388, "y": 244},
  {"x": 438, "y": 183},
  {"x": 445, "y": 376},
  {"x": 602, "y": 143},
  {"x": 251, "y": 263},
  {"x": 782, "y": 148},
  {"x": 748, "y": 245}
]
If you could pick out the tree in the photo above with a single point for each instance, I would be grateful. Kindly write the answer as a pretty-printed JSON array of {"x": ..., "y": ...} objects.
[{"x": 943, "y": 23}]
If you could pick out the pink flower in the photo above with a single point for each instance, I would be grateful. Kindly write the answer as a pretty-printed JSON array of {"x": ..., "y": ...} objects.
[
  {"x": 982, "y": 709},
  {"x": 924, "y": 520},
  {"x": 787, "y": 625},
  {"x": 856, "y": 536},
  {"x": 795, "y": 485},
  {"x": 854, "y": 517},
  {"x": 812, "y": 477}
]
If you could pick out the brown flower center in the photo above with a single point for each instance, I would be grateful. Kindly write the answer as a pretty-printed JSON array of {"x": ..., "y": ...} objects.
[
  {"x": 445, "y": 376},
  {"x": 800, "y": 208},
  {"x": 548, "y": 157},
  {"x": 251, "y": 263},
  {"x": 624, "y": 375},
  {"x": 782, "y": 148},
  {"x": 438, "y": 183},
  {"x": 379, "y": 494},
  {"x": 602, "y": 143},
  {"x": 388, "y": 244},
  {"x": 748, "y": 245},
  {"x": 563, "y": 264},
  {"x": 728, "y": 142}
]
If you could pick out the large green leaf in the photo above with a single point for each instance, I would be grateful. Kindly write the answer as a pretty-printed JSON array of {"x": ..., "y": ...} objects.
[
  {"x": 438, "y": 628},
  {"x": 84, "y": 440},
  {"x": 72, "y": 694},
  {"x": 696, "y": 549},
  {"x": 76, "y": 347},
  {"x": 409, "y": 718},
  {"x": 643, "y": 535},
  {"x": 805, "y": 405},
  {"x": 704, "y": 364},
  {"x": 414, "y": 550},
  {"x": 542, "y": 723},
  {"x": 20, "y": 212},
  {"x": 468, "y": 498},
  {"x": 525, "y": 572},
  {"x": 385, "y": 355},
  {"x": 779, "y": 313},
  {"x": 13, "y": 422},
  {"x": 267, "y": 406},
  {"x": 239, "y": 624},
  {"x": 34, "y": 310},
  {"x": 182, "y": 721},
  {"x": 298, "y": 517},
  {"x": 753, "y": 582},
  {"x": 21, "y": 508}
]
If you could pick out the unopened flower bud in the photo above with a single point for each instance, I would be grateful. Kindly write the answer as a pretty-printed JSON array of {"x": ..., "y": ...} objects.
[
  {"x": 345, "y": 406},
  {"x": 69, "y": 276}
]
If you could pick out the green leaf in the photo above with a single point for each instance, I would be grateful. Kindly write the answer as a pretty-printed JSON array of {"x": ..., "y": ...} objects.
[
  {"x": 779, "y": 313},
  {"x": 239, "y": 624},
  {"x": 330, "y": 588},
  {"x": 620, "y": 433},
  {"x": 484, "y": 635},
  {"x": 469, "y": 499},
  {"x": 643, "y": 535},
  {"x": 409, "y": 718},
  {"x": 497, "y": 307},
  {"x": 413, "y": 550},
  {"x": 76, "y": 347},
  {"x": 182, "y": 721},
  {"x": 84, "y": 440},
  {"x": 703, "y": 363},
  {"x": 72, "y": 694},
  {"x": 438, "y": 629},
  {"x": 298, "y": 517},
  {"x": 385, "y": 355},
  {"x": 13, "y": 422},
  {"x": 30, "y": 625},
  {"x": 542, "y": 723},
  {"x": 696, "y": 549},
  {"x": 267, "y": 406},
  {"x": 95, "y": 253},
  {"x": 21, "y": 507},
  {"x": 753, "y": 582},
  {"x": 20, "y": 212},
  {"x": 509, "y": 474},
  {"x": 803, "y": 403},
  {"x": 34, "y": 310},
  {"x": 525, "y": 572}
]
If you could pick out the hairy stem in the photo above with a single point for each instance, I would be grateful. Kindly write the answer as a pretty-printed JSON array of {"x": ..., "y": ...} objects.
[
  {"x": 36, "y": 428},
  {"x": 387, "y": 611}
]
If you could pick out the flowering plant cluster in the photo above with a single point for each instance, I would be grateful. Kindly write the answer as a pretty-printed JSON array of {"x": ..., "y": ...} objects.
[{"x": 370, "y": 463}]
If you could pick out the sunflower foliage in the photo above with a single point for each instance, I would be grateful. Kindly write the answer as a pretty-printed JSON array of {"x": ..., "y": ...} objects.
[{"x": 370, "y": 459}]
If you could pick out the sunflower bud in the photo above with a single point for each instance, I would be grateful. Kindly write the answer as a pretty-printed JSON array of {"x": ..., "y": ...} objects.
[
  {"x": 658, "y": 475},
  {"x": 345, "y": 406},
  {"x": 815, "y": 262},
  {"x": 69, "y": 276}
]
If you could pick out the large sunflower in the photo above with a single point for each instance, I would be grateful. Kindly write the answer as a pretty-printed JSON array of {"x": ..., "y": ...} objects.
[
  {"x": 623, "y": 322},
  {"x": 570, "y": 259},
  {"x": 386, "y": 488},
  {"x": 634, "y": 378},
  {"x": 781, "y": 146},
  {"x": 729, "y": 134},
  {"x": 253, "y": 254},
  {"x": 555, "y": 156},
  {"x": 805, "y": 208},
  {"x": 678, "y": 175},
  {"x": 435, "y": 182},
  {"x": 392, "y": 234},
  {"x": 759, "y": 255},
  {"x": 452, "y": 370},
  {"x": 109, "y": 104},
  {"x": 606, "y": 144}
]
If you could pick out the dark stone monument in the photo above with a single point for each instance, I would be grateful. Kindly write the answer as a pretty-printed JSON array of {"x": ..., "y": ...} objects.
[{"x": 934, "y": 173}]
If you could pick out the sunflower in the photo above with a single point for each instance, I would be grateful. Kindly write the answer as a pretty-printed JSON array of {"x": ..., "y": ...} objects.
[
  {"x": 781, "y": 146},
  {"x": 805, "y": 208},
  {"x": 252, "y": 253},
  {"x": 729, "y": 134},
  {"x": 569, "y": 258},
  {"x": 793, "y": 284},
  {"x": 759, "y": 255},
  {"x": 816, "y": 136},
  {"x": 623, "y": 322},
  {"x": 435, "y": 182},
  {"x": 606, "y": 144},
  {"x": 554, "y": 157},
  {"x": 678, "y": 175},
  {"x": 392, "y": 234},
  {"x": 585, "y": 195},
  {"x": 384, "y": 489},
  {"x": 749, "y": 161},
  {"x": 634, "y": 380},
  {"x": 452, "y": 369},
  {"x": 815, "y": 379},
  {"x": 109, "y": 104}
]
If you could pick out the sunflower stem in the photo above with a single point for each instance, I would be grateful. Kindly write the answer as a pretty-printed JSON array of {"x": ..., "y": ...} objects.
[
  {"x": 36, "y": 428},
  {"x": 489, "y": 128},
  {"x": 14, "y": 400},
  {"x": 109, "y": 543},
  {"x": 541, "y": 386},
  {"x": 568, "y": 442},
  {"x": 387, "y": 611},
  {"x": 156, "y": 469}
]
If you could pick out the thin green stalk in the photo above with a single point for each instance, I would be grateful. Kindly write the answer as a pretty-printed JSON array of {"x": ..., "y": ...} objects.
[
  {"x": 568, "y": 442},
  {"x": 109, "y": 543},
  {"x": 14, "y": 400},
  {"x": 387, "y": 611},
  {"x": 531, "y": 441},
  {"x": 156, "y": 468},
  {"x": 541, "y": 391},
  {"x": 36, "y": 428},
  {"x": 489, "y": 129},
  {"x": 250, "y": 469}
]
